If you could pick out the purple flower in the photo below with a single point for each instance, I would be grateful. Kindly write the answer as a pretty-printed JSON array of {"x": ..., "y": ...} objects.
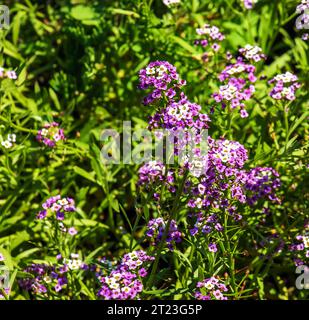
[
  {"x": 50, "y": 134},
  {"x": 163, "y": 78},
  {"x": 212, "y": 247},
  {"x": 156, "y": 229},
  {"x": 212, "y": 289},
  {"x": 285, "y": 86}
]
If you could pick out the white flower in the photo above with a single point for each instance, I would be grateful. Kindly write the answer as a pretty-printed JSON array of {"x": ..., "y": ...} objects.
[
  {"x": 12, "y": 137},
  {"x": 7, "y": 144}
]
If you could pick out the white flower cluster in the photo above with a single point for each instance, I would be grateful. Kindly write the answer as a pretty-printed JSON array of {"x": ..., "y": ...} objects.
[
  {"x": 252, "y": 53},
  {"x": 74, "y": 263},
  {"x": 286, "y": 77},
  {"x": 9, "y": 142}
]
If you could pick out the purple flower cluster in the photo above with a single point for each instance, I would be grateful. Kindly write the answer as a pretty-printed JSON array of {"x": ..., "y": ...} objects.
[
  {"x": 7, "y": 74},
  {"x": 155, "y": 231},
  {"x": 212, "y": 36},
  {"x": 181, "y": 115},
  {"x": 134, "y": 260},
  {"x": 226, "y": 177},
  {"x": 123, "y": 282},
  {"x": 154, "y": 173},
  {"x": 211, "y": 289},
  {"x": 253, "y": 53},
  {"x": 218, "y": 179},
  {"x": 285, "y": 86},
  {"x": 303, "y": 21},
  {"x": 47, "y": 279},
  {"x": 57, "y": 205},
  {"x": 50, "y": 134},
  {"x": 238, "y": 87},
  {"x": 262, "y": 183},
  {"x": 300, "y": 247},
  {"x": 120, "y": 285},
  {"x": 163, "y": 78},
  {"x": 206, "y": 224}
]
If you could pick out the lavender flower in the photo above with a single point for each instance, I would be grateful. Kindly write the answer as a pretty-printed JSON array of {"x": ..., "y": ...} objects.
[
  {"x": 300, "y": 248},
  {"x": 210, "y": 289},
  {"x": 212, "y": 36},
  {"x": 285, "y": 86},
  {"x": 50, "y": 134},
  {"x": 163, "y": 78},
  {"x": 253, "y": 53},
  {"x": 120, "y": 285},
  {"x": 237, "y": 89},
  {"x": 156, "y": 229},
  {"x": 262, "y": 182},
  {"x": 123, "y": 283}
]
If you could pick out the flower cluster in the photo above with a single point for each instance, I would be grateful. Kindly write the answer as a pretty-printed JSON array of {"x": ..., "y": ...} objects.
[
  {"x": 50, "y": 134},
  {"x": 285, "y": 86},
  {"x": 153, "y": 173},
  {"x": 120, "y": 285},
  {"x": 226, "y": 153},
  {"x": 7, "y": 74},
  {"x": 249, "y": 4},
  {"x": 206, "y": 224},
  {"x": 156, "y": 229},
  {"x": 303, "y": 6},
  {"x": 261, "y": 183},
  {"x": 123, "y": 283},
  {"x": 211, "y": 289},
  {"x": 181, "y": 115},
  {"x": 45, "y": 279},
  {"x": 300, "y": 247},
  {"x": 224, "y": 184},
  {"x": 217, "y": 180},
  {"x": 134, "y": 260},
  {"x": 56, "y": 208},
  {"x": 303, "y": 21},
  {"x": 163, "y": 78},
  {"x": 238, "y": 87},
  {"x": 252, "y": 53},
  {"x": 212, "y": 36},
  {"x": 171, "y": 2},
  {"x": 9, "y": 142},
  {"x": 57, "y": 205}
]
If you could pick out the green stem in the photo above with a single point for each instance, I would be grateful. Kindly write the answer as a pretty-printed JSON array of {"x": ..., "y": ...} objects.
[
  {"x": 286, "y": 124},
  {"x": 16, "y": 126},
  {"x": 230, "y": 254},
  {"x": 164, "y": 236},
  {"x": 229, "y": 123}
]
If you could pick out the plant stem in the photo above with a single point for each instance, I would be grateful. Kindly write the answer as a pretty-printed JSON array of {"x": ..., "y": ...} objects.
[
  {"x": 230, "y": 254},
  {"x": 164, "y": 236},
  {"x": 286, "y": 124}
]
